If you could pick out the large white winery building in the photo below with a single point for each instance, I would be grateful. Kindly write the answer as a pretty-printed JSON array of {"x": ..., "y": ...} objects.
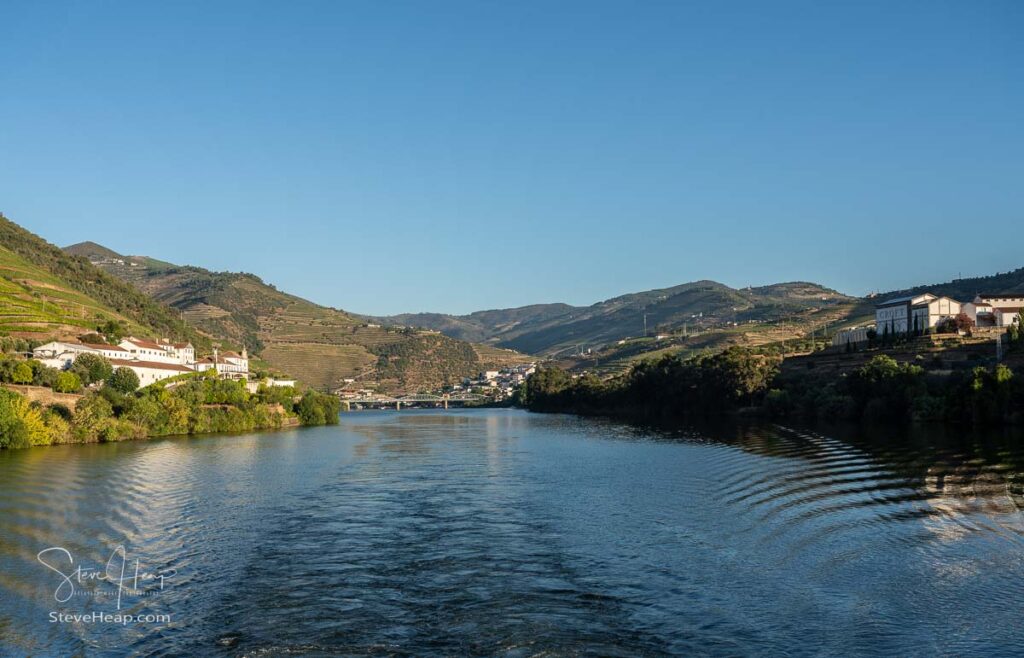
[{"x": 914, "y": 313}]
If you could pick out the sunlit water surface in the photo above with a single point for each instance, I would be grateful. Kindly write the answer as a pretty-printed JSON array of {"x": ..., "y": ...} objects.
[{"x": 505, "y": 533}]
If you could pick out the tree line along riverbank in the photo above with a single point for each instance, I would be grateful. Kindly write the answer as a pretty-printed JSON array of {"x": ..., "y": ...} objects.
[
  {"x": 739, "y": 380},
  {"x": 114, "y": 408}
]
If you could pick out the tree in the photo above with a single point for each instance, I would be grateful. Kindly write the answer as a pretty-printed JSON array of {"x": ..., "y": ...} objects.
[
  {"x": 309, "y": 410},
  {"x": 22, "y": 374},
  {"x": 92, "y": 368},
  {"x": 113, "y": 330},
  {"x": 124, "y": 380},
  {"x": 67, "y": 382}
]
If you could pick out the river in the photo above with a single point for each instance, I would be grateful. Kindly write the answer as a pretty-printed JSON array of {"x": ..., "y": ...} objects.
[{"x": 501, "y": 532}]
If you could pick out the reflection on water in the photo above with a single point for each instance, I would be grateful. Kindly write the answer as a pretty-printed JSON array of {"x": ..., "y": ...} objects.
[{"x": 500, "y": 532}]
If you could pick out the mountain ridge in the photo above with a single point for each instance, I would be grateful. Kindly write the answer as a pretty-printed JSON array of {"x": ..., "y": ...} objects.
[{"x": 554, "y": 327}]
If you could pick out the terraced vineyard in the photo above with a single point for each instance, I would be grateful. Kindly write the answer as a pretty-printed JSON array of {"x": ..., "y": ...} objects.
[
  {"x": 803, "y": 325},
  {"x": 36, "y": 304},
  {"x": 46, "y": 293}
]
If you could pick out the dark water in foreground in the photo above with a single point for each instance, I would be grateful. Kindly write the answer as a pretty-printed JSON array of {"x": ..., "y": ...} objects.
[{"x": 504, "y": 533}]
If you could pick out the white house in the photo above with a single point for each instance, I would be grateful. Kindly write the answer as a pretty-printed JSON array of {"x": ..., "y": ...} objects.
[
  {"x": 184, "y": 352},
  {"x": 921, "y": 312},
  {"x": 997, "y": 310},
  {"x": 148, "y": 350},
  {"x": 980, "y": 312},
  {"x": 227, "y": 364}
]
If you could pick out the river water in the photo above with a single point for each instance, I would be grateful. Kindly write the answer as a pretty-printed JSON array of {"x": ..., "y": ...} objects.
[{"x": 506, "y": 533}]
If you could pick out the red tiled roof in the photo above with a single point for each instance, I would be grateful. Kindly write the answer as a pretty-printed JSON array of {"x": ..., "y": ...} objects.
[
  {"x": 124, "y": 363},
  {"x": 113, "y": 348},
  {"x": 148, "y": 344}
]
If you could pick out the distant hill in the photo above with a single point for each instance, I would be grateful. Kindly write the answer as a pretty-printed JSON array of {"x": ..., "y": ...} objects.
[
  {"x": 47, "y": 293},
  {"x": 700, "y": 305},
  {"x": 91, "y": 251},
  {"x": 964, "y": 290},
  {"x": 322, "y": 346}
]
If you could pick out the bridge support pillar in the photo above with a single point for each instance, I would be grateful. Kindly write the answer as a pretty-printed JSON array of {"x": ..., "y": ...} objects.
[
  {"x": 398, "y": 405},
  {"x": 446, "y": 403}
]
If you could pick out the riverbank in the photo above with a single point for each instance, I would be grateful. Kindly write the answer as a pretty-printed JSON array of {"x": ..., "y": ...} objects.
[
  {"x": 200, "y": 405},
  {"x": 740, "y": 382}
]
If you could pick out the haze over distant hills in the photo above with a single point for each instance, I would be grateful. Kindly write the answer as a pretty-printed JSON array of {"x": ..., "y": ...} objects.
[{"x": 320, "y": 345}]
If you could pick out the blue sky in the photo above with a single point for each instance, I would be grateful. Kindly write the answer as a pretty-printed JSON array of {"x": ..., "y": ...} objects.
[{"x": 386, "y": 156}]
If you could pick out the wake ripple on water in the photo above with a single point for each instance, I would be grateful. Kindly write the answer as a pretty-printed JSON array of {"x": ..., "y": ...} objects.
[{"x": 503, "y": 533}]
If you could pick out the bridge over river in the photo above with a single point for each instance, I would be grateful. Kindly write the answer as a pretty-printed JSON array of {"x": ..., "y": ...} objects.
[{"x": 436, "y": 400}]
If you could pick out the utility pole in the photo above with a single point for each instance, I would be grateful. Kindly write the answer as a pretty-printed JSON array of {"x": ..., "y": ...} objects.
[{"x": 645, "y": 325}]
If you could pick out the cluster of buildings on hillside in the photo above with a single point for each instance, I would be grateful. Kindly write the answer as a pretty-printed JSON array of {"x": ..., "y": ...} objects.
[
  {"x": 150, "y": 360},
  {"x": 498, "y": 384},
  {"x": 926, "y": 312}
]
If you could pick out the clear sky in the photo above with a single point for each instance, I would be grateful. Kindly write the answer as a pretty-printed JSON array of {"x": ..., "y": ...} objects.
[{"x": 452, "y": 156}]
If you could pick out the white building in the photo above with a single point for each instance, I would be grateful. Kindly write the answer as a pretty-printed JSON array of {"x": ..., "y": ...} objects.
[
  {"x": 150, "y": 372},
  {"x": 852, "y": 336},
  {"x": 61, "y": 355},
  {"x": 921, "y": 312},
  {"x": 162, "y": 351},
  {"x": 254, "y": 386},
  {"x": 227, "y": 364},
  {"x": 979, "y": 312},
  {"x": 996, "y": 310}
]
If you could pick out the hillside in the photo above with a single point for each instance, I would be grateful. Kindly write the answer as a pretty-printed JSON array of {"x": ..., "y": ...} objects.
[
  {"x": 552, "y": 329},
  {"x": 46, "y": 293},
  {"x": 965, "y": 289},
  {"x": 320, "y": 345}
]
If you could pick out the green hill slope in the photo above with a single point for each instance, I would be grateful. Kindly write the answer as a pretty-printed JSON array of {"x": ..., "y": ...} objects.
[
  {"x": 702, "y": 305},
  {"x": 46, "y": 293},
  {"x": 321, "y": 346}
]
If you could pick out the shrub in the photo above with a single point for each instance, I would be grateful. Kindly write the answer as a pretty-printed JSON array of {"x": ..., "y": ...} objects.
[
  {"x": 67, "y": 382},
  {"x": 22, "y": 374},
  {"x": 21, "y": 424}
]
